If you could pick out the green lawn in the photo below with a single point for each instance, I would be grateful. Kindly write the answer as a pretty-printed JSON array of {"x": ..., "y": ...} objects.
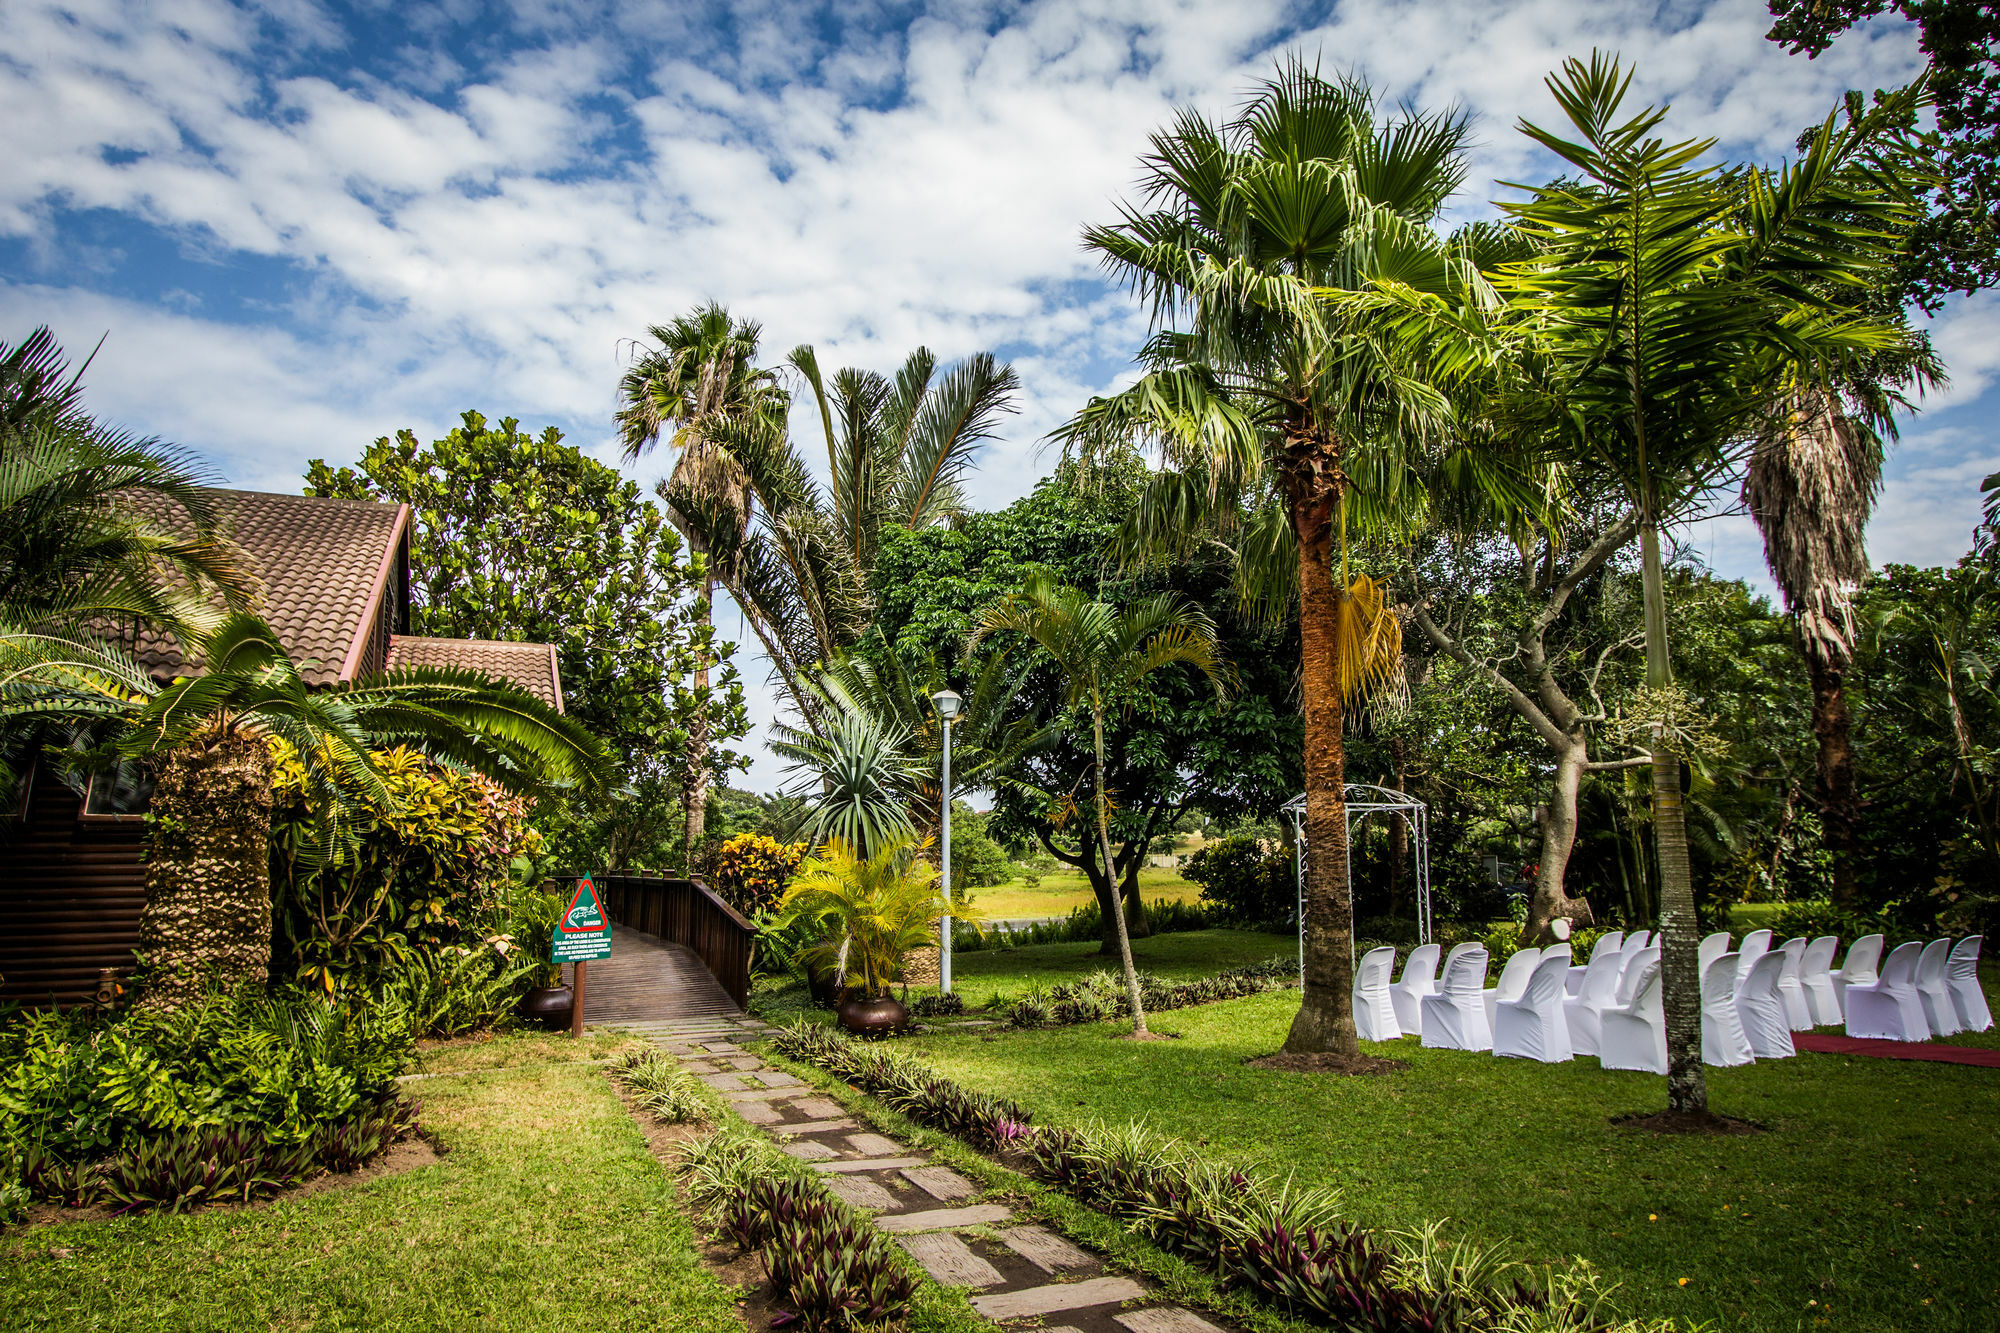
[
  {"x": 1060, "y": 893},
  {"x": 1006, "y": 974},
  {"x": 1871, "y": 1194},
  {"x": 547, "y": 1214}
]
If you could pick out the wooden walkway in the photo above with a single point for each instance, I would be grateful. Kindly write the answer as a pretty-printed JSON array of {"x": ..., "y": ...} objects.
[{"x": 648, "y": 981}]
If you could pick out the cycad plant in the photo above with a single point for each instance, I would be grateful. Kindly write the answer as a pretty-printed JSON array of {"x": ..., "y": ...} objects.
[
  {"x": 1283, "y": 427},
  {"x": 208, "y": 741},
  {"x": 1099, "y": 651},
  {"x": 867, "y": 911}
]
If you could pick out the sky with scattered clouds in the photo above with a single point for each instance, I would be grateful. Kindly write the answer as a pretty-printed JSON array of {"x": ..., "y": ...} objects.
[{"x": 303, "y": 225}]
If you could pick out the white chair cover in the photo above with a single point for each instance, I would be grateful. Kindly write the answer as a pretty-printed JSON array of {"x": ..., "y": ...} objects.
[
  {"x": 1755, "y": 945},
  {"x": 1722, "y": 1039},
  {"x": 1514, "y": 976},
  {"x": 1640, "y": 937},
  {"x": 1598, "y": 993},
  {"x": 1962, "y": 978},
  {"x": 1532, "y": 1027},
  {"x": 1419, "y": 980},
  {"x": 1712, "y": 948},
  {"x": 1634, "y": 1033},
  {"x": 1761, "y": 1009},
  {"x": 1939, "y": 1012},
  {"x": 1455, "y": 1014},
  {"x": 1458, "y": 949},
  {"x": 1791, "y": 985},
  {"x": 1889, "y": 1006},
  {"x": 1374, "y": 1011},
  {"x": 1859, "y": 969},
  {"x": 1611, "y": 942},
  {"x": 1628, "y": 981},
  {"x": 1816, "y": 976}
]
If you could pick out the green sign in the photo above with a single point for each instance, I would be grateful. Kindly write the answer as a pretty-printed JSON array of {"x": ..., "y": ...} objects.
[{"x": 584, "y": 933}]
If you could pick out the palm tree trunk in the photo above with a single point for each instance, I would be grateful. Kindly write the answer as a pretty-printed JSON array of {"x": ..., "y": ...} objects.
[
  {"x": 1325, "y": 1020},
  {"x": 207, "y": 916},
  {"x": 1680, "y": 975},
  {"x": 1111, "y": 875},
  {"x": 694, "y": 787},
  {"x": 1839, "y": 802}
]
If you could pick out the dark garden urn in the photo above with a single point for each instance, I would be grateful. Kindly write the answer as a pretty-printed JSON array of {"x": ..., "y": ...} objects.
[
  {"x": 548, "y": 1006},
  {"x": 872, "y": 1018}
]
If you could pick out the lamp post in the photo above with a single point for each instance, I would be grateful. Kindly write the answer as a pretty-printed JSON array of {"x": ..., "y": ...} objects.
[{"x": 948, "y": 706}]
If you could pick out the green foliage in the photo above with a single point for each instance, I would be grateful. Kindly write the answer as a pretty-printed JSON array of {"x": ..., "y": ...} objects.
[
  {"x": 867, "y": 912},
  {"x": 1083, "y": 923},
  {"x": 1245, "y": 885},
  {"x": 977, "y": 862},
  {"x": 525, "y": 538},
  {"x": 458, "y": 989},
  {"x": 661, "y": 1086},
  {"x": 1100, "y": 995},
  {"x": 917, "y": 1092},
  {"x": 752, "y": 870},
  {"x": 427, "y": 860}
]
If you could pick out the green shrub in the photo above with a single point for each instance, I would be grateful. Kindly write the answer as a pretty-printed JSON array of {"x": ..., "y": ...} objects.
[
  {"x": 662, "y": 1087},
  {"x": 14, "y": 1201},
  {"x": 1101, "y": 994},
  {"x": 1084, "y": 924},
  {"x": 458, "y": 990},
  {"x": 1243, "y": 885}
]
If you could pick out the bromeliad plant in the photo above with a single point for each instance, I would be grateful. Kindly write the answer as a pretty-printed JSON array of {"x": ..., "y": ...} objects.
[{"x": 865, "y": 913}]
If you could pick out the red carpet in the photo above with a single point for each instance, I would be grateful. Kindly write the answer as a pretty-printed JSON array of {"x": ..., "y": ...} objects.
[{"x": 1825, "y": 1043}]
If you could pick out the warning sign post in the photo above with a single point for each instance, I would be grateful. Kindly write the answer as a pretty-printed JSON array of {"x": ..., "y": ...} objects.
[{"x": 583, "y": 934}]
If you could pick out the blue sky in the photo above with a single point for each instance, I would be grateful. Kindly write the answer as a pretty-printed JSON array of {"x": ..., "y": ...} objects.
[{"x": 305, "y": 225}]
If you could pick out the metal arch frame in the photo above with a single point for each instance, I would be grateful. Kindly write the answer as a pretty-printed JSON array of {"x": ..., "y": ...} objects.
[{"x": 1365, "y": 799}]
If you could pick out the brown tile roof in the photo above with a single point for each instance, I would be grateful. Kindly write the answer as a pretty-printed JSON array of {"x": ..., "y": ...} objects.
[
  {"x": 325, "y": 566},
  {"x": 532, "y": 666}
]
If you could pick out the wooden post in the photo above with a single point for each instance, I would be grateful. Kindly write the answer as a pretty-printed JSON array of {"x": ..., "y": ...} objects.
[{"x": 576, "y": 1013}]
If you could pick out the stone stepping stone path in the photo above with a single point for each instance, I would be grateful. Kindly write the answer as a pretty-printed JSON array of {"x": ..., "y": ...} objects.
[{"x": 1014, "y": 1270}]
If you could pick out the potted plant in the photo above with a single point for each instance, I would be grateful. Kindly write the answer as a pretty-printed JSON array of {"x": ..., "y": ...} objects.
[
  {"x": 535, "y": 913},
  {"x": 873, "y": 911}
]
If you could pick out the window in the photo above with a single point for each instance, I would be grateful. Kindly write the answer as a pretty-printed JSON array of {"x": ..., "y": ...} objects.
[{"x": 120, "y": 791}]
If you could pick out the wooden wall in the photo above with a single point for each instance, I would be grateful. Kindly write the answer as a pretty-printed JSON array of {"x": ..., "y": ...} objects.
[{"x": 70, "y": 893}]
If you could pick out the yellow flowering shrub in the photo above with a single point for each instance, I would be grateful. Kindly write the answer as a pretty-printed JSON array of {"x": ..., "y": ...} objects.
[{"x": 752, "y": 870}]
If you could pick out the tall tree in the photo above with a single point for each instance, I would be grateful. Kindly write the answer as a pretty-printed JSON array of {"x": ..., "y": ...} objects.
[
  {"x": 524, "y": 537},
  {"x": 1282, "y": 428},
  {"x": 1101, "y": 651},
  {"x": 699, "y": 380}
]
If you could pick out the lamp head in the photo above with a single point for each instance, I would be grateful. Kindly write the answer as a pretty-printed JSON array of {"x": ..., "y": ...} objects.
[{"x": 949, "y": 705}]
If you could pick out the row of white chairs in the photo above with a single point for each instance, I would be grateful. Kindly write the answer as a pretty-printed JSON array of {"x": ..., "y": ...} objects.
[{"x": 1547, "y": 1007}]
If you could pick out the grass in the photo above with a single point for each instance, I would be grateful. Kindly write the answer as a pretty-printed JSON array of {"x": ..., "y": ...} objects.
[
  {"x": 1060, "y": 893},
  {"x": 1003, "y": 975},
  {"x": 1870, "y": 1203},
  {"x": 546, "y": 1214}
]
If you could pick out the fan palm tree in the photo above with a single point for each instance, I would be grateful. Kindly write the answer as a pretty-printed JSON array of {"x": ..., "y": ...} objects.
[
  {"x": 699, "y": 380},
  {"x": 208, "y": 740},
  {"x": 1663, "y": 321},
  {"x": 1282, "y": 427},
  {"x": 1101, "y": 650}
]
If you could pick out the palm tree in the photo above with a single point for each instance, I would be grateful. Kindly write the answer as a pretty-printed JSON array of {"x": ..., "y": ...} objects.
[
  {"x": 1283, "y": 427},
  {"x": 1665, "y": 319},
  {"x": 1100, "y": 651},
  {"x": 699, "y": 379},
  {"x": 207, "y": 914},
  {"x": 869, "y": 910}
]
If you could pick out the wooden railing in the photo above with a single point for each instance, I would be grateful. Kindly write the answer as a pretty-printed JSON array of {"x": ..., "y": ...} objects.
[{"x": 684, "y": 911}]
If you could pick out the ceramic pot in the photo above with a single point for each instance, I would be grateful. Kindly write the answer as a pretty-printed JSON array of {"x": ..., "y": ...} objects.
[
  {"x": 548, "y": 1005},
  {"x": 872, "y": 1018}
]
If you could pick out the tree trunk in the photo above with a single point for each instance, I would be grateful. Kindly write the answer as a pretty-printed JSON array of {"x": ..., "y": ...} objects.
[
  {"x": 694, "y": 787},
  {"x": 207, "y": 916},
  {"x": 1552, "y": 900},
  {"x": 1680, "y": 937},
  {"x": 1110, "y": 874},
  {"x": 1839, "y": 802},
  {"x": 1325, "y": 1020},
  {"x": 1136, "y": 924}
]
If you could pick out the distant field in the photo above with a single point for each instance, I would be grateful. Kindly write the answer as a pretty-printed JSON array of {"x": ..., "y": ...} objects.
[{"x": 1059, "y": 893}]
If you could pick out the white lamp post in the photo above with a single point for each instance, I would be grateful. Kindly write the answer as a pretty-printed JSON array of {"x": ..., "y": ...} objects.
[{"x": 948, "y": 707}]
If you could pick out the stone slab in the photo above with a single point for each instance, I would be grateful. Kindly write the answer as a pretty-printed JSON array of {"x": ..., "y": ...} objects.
[
  {"x": 810, "y": 1150},
  {"x": 743, "y": 1062},
  {"x": 861, "y": 1191},
  {"x": 1044, "y": 1248},
  {"x": 722, "y": 1048},
  {"x": 701, "y": 1066},
  {"x": 725, "y": 1082},
  {"x": 811, "y": 1126},
  {"x": 758, "y": 1095},
  {"x": 758, "y": 1113},
  {"x": 940, "y": 1182},
  {"x": 1166, "y": 1319},
  {"x": 944, "y": 1219},
  {"x": 819, "y": 1108},
  {"x": 778, "y": 1078},
  {"x": 875, "y": 1145},
  {"x": 950, "y": 1260},
  {"x": 1057, "y": 1296},
  {"x": 868, "y": 1164}
]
